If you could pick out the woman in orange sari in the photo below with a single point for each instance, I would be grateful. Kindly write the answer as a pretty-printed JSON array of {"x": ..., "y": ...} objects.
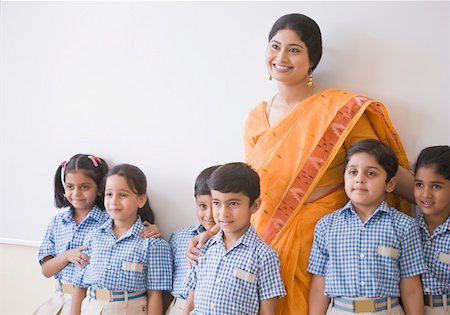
[{"x": 297, "y": 143}]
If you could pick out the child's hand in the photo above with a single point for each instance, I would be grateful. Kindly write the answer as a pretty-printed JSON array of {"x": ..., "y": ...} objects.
[
  {"x": 151, "y": 230},
  {"x": 77, "y": 257},
  {"x": 194, "y": 244}
]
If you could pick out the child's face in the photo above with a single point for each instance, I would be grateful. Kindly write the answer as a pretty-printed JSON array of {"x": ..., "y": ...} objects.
[
  {"x": 232, "y": 212},
  {"x": 121, "y": 201},
  {"x": 204, "y": 211},
  {"x": 81, "y": 190},
  {"x": 432, "y": 192},
  {"x": 365, "y": 182}
]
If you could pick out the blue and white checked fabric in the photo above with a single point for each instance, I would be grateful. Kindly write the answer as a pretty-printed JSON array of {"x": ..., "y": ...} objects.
[
  {"x": 130, "y": 263},
  {"x": 436, "y": 249},
  {"x": 235, "y": 282},
  {"x": 366, "y": 259},
  {"x": 179, "y": 241},
  {"x": 63, "y": 234}
]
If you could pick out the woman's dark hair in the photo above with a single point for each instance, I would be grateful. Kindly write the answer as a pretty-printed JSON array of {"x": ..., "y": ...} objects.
[
  {"x": 306, "y": 29},
  {"x": 236, "y": 178},
  {"x": 437, "y": 157},
  {"x": 138, "y": 183},
  {"x": 91, "y": 166},
  {"x": 201, "y": 186},
  {"x": 380, "y": 151}
]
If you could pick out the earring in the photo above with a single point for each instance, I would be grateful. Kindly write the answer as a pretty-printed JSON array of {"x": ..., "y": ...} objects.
[
  {"x": 310, "y": 82},
  {"x": 270, "y": 77}
]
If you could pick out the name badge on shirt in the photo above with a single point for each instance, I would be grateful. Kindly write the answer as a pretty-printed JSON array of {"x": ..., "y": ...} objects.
[
  {"x": 244, "y": 275},
  {"x": 388, "y": 251},
  {"x": 131, "y": 266},
  {"x": 445, "y": 258}
]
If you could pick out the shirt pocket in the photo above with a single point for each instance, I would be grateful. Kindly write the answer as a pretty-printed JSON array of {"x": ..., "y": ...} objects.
[
  {"x": 133, "y": 270},
  {"x": 442, "y": 268},
  {"x": 387, "y": 263},
  {"x": 243, "y": 291}
]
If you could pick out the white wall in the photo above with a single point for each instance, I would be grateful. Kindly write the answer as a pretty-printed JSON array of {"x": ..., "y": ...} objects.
[{"x": 167, "y": 87}]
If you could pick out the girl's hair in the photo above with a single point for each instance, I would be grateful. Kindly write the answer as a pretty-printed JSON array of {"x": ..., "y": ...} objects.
[
  {"x": 306, "y": 29},
  {"x": 380, "y": 151},
  {"x": 138, "y": 183},
  {"x": 437, "y": 157},
  {"x": 91, "y": 166}
]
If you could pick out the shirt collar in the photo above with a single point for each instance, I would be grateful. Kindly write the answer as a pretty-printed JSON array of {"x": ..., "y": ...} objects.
[
  {"x": 247, "y": 239},
  {"x": 420, "y": 219},
  {"x": 96, "y": 214},
  {"x": 134, "y": 231},
  {"x": 348, "y": 208},
  {"x": 197, "y": 229}
]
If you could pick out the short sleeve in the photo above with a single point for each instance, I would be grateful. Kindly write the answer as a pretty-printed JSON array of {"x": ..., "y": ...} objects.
[
  {"x": 48, "y": 247},
  {"x": 411, "y": 261},
  {"x": 160, "y": 266},
  {"x": 191, "y": 279},
  {"x": 269, "y": 280},
  {"x": 318, "y": 259}
]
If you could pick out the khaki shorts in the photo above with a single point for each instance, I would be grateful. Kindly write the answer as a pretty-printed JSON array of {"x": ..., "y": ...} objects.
[
  {"x": 58, "y": 304},
  {"x": 176, "y": 307},
  {"x": 96, "y": 307}
]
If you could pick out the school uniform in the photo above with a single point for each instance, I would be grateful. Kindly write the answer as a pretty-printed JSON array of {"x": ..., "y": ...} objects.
[
  {"x": 237, "y": 280},
  {"x": 436, "y": 279},
  {"x": 179, "y": 241},
  {"x": 366, "y": 259},
  {"x": 63, "y": 234},
  {"x": 121, "y": 271}
]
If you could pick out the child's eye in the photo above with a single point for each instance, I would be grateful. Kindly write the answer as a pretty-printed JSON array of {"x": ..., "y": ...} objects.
[
  {"x": 351, "y": 172},
  {"x": 123, "y": 195},
  {"x": 69, "y": 186},
  {"x": 371, "y": 173},
  {"x": 215, "y": 203},
  {"x": 202, "y": 206},
  {"x": 108, "y": 194},
  {"x": 436, "y": 187},
  {"x": 418, "y": 185},
  {"x": 85, "y": 187},
  {"x": 234, "y": 204}
]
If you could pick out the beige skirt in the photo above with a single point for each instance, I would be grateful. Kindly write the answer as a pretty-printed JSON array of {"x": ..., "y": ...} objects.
[{"x": 58, "y": 304}]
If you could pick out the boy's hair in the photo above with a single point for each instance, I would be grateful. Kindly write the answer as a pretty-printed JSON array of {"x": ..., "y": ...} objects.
[
  {"x": 138, "y": 183},
  {"x": 236, "y": 178},
  {"x": 380, "y": 151},
  {"x": 437, "y": 157},
  {"x": 91, "y": 166},
  {"x": 201, "y": 186}
]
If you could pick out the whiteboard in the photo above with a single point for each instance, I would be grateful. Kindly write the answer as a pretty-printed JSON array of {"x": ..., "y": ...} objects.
[{"x": 167, "y": 86}]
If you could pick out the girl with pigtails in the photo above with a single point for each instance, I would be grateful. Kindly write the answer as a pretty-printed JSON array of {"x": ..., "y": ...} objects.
[{"x": 78, "y": 185}]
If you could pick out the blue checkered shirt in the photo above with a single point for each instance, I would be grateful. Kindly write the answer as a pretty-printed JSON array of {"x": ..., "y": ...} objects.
[
  {"x": 436, "y": 249},
  {"x": 63, "y": 234},
  {"x": 130, "y": 263},
  {"x": 367, "y": 259},
  {"x": 235, "y": 282},
  {"x": 179, "y": 241}
]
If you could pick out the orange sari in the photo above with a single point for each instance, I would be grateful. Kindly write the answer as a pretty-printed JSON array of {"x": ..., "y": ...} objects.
[{"x": 303, "y": 151}]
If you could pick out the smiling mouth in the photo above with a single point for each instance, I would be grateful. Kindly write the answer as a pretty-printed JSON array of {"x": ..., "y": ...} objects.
[{"x": 281, "y": 68}]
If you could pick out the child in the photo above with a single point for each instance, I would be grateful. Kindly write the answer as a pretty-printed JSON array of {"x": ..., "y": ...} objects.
[
  {"x": 179, "y": 240},
  {"x": 366, "y": 255},
  {"x": 432, "y": 193},
  {"x": 126, "y": 273},
  {"x": 78, "y": 186},
  {"x": 237, "y": 272}
]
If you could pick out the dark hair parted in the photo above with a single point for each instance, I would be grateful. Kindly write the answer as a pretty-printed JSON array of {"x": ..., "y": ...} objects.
[
  {"x": 306, "y": 29},
  {"x": 138, "y": 183},
  {"x": 236, "y": 177},
  {"x": 91, "y": 166},
  {"x": 380, "y": 151},
  {"x": 437, "y": 157},
  {"x": 201, "y": 186}
]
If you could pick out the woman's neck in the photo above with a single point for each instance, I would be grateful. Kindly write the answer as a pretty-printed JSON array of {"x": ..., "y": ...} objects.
[{"x": 291, "y": 96}]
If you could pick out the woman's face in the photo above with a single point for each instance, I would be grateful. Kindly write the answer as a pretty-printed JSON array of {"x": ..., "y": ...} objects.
[{"x": 287, "y": 58}]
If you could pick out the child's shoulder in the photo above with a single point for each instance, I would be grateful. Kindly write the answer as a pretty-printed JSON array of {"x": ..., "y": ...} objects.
[
  {"x": 184, "y": 231},
  {"x": 402, "y": 218},
  {"x": 256, "y": 243}
]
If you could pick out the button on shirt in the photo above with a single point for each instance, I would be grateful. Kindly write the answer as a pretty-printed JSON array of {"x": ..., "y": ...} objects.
[
  {"x": 366, "y": 258},
  {"x": 235, "y": 282},
  {"x": 63, "y": 234},
  {"x": 130, "y": 263},
  {"x": 179, "y": 241},
  {"x": 436, "y": 249}
]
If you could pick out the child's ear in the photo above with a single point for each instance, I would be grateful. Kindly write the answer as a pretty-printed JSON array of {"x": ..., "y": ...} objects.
[
  {"x": 142, "y": 199},
  {"x": 390, "y": 186},
  {"x": 255, "y": 205}
]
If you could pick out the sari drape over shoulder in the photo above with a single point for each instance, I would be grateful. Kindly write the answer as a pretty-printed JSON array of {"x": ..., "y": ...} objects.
[{"x": 303, "y": 151}]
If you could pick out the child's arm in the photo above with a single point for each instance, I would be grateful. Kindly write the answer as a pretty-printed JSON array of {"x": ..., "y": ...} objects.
[
  {"x": 77, "y": 297},
  {"x": 53, "y": 265},
  {"x": 412, "y": 296},
  {"x": 268, "y": 307},
  {"x": 189, "y": 306},
  {"x": 151, "y": 230},
  {"x": 154, "y": 302},
  {"x": 318, "y": 301}
]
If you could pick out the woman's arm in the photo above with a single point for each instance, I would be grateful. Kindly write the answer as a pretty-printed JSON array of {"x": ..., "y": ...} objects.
[
  {"x": 405, "y": 185},
  {"x": 154, "y": 302},
  {"x": 53, "y": 265},
  {"x": 412, "y": 296},
  {"x": 318, "y": 301},
  {"x": 77, "y": 297}
]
